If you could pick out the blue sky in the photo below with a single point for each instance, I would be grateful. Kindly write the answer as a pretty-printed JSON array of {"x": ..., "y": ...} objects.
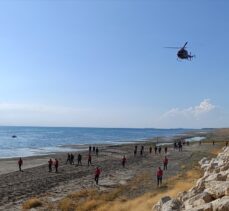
[{"x": 102, "y": 63}]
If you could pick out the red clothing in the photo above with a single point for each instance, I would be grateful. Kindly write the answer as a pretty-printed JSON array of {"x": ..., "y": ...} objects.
[
  {"x": 97, "y": 172},
  {"x": 166, "y": 161},
  {"x": 159, "y": 173},
  {"x": 56, "y": 163}
]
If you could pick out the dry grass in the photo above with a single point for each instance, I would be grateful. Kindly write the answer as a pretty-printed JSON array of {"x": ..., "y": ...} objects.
[
  {"x": 179, "y": 183},
  {"x": 216, "y": 151},
  {"x": 31, "y": 203},
  {"x": 87, "y": 200}
]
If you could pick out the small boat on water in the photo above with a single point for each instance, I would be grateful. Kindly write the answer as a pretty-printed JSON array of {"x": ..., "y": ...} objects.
[{"x": 14, "y": 136}]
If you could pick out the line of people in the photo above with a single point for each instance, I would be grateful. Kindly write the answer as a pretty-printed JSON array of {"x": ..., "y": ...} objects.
[
  {"x": 156, "y": 149},
  {"x": 94, "y": 149}
]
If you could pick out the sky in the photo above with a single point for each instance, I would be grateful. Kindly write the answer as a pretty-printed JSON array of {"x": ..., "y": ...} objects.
[{"x": 103, "y": 63}]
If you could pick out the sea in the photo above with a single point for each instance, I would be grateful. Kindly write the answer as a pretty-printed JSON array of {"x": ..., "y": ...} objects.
[{"x": 34, "y": 141}]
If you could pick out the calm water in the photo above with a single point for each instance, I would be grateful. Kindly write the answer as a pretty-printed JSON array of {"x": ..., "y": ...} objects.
[{"x": 42, "y": 140}]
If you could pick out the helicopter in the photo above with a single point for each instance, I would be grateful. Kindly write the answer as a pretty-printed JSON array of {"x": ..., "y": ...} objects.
[{"x": 183, "y": 53}]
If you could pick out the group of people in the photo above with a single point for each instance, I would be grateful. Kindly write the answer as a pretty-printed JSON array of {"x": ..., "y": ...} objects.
[
  {"x": 51, "y": 163},
  {"x": 165, "y": 161},
  {"x": 156, "y": 149},
  {"x": 94, "y": 149},
  {"x": 179, "y": 145},
  {"x": 70, "y": 159}
]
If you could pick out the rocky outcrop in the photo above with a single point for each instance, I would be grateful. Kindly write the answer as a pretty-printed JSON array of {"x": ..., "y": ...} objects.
[{"x": 211, "y": 192}]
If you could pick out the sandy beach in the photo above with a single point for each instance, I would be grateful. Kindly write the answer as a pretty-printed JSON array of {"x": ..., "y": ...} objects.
[{"x": 35, "y": 181}]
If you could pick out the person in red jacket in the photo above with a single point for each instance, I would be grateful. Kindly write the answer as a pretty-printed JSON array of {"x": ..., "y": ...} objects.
[
  {"x": 123, "y": 161},
  {"x": 165, "y": 163},
  {"x": 97, "y": 173},
  {"x": 20, "y": 163},
  {"x": 56, "y": 164},
  {"x": 50, "y": 162},
  {"x": 159, "y": 176}
]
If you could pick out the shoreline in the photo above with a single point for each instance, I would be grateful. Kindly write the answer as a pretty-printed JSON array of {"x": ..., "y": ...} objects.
[
  {"x": 10, "y": 149},
  {"x": 75, "y": 148}
]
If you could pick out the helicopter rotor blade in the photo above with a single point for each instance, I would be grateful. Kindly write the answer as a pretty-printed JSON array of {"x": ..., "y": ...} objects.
[
  {"x": 185, "y": 45},
  {"x": 173, "y": 47}
]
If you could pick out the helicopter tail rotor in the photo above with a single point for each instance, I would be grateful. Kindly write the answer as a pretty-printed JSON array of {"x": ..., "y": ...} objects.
[{"x": 191, "y": 56}]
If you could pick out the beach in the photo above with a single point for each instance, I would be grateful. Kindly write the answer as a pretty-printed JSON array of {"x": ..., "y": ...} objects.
[{"x": 35, "y": 180}]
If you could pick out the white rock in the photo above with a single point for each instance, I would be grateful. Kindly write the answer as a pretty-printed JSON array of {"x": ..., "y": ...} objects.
[
  {"x": 164, "y": 200},
  {"x": 216, "y": 177},
  {"x": 205, "y": 207},
  {"x": 221, "y": 204},
  {"x": 225, "y": 167},
  {"x": 171, "y": 205},
  {"x": 157, "y": 207},
  {"x": 217, "y": 189},
  {"x": 204, "y": 160},
  {"x": 197, "y": 200}
]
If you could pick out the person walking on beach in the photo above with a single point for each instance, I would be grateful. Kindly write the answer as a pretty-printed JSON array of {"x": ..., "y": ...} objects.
[
  {"x": 97, "y": 152},
  {"x": 159, "y": 176},
  {"x": 135, "y": 152},
  {"x": 136, "y": 147},
  {"x": 56, "y": 164},
  {"x": 93, "y": 148},
  {"x": 142, "y": 149},
  {"x": 159, "y": 149},
  {"x": 79, "y": 159},
  {"x": 50, "y": 162},
  {"x": 123, "y": 161},
  {"x": 97, "y": 174},
  {"x": 89, "y": 160},
  {"x": 89, "y": 149},
  {"x": 155, "y": 149},
  {"x": 150, "y": 149},
  {"x": 226, "y": 143},
  {"x": 20, "y": 163},
  {"x": 72, "y": 159},
  {"x": 180, "y": 146},
  {"x": 166, "y": 149},
  {"x": 68, "y": 159},
  {"x": 165, "y": 162}
]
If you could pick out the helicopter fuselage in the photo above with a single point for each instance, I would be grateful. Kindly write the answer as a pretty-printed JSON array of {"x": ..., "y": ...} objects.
[{"x": 183, "y": 54}]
